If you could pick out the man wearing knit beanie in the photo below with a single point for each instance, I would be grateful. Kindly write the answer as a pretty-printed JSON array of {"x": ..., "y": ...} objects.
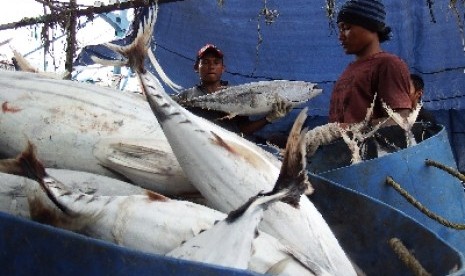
[{"x": 375, "y": 75}]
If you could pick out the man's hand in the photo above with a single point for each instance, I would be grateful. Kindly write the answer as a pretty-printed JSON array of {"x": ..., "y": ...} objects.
[{"x": 280, "y": 109}]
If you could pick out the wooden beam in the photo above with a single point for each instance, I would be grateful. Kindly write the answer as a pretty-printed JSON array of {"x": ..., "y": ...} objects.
[{"x": 89, "y": 12}]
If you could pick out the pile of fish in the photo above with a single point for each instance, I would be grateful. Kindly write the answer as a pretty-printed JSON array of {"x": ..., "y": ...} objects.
[
  {"x": 153, "y": 223},
  {"x": 98, "y": 130},
  {"x": 88, "y": 128}
]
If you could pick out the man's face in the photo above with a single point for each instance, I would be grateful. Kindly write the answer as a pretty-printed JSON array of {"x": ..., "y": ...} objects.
[
  {"x": 355, "y": 39},
  {"x": 210, "y": 68}
]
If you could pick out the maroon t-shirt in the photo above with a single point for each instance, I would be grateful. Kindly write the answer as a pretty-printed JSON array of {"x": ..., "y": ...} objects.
[{"x": 383, "y": 74}]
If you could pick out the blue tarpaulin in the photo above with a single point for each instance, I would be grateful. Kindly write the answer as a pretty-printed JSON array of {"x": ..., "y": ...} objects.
[{"x": 296, "y": 40}]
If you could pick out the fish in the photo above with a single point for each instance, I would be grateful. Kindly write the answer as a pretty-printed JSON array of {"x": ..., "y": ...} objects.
[
  {"x": 236, "y": 233},
  {"x": 24, "y": 65},
  {"x": 227, "y": 170},
  {"x": 147, "y": 222},
  {"x": 13, "y": 187},
  {"x": 254, "y": 98},
  {"x": 13, "y": 195},
  {"x": 71, "y": 124}
]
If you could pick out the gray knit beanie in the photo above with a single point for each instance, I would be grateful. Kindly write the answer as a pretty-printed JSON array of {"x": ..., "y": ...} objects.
[{"x": 369, "y": 14}]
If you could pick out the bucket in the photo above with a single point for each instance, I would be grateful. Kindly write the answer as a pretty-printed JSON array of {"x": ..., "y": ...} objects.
[
  {"x": 438, "y": 191},
  {"x": 364, "y": 225}
]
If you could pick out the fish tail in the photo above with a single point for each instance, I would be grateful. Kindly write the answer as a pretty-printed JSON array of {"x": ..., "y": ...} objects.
[
  {"x": 161, "y": 73},
  {"x": 23, "y": 64},
  {"x": 293, "y": 174},
  {"x": 11, "y": 166},
  {"x": 292, "y": 181},
  {"x": 260, "y": 201},
  {"x": 26, "y": 164},
  {"x": 33, "y": 168},
  {"x": 136, "y": 52}
]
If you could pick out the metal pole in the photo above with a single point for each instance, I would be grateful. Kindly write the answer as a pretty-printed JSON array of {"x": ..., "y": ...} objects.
[{"x": 71, "y": 33}]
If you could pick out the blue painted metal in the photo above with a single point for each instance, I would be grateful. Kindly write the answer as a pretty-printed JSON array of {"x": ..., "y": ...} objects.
[
  {"x": 30, "y": 248},
  {"x": 363, "y": 226},
  {"x": 435, "y": 189}
]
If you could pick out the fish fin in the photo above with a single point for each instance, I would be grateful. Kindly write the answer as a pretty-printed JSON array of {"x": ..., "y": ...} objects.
[
  {"x": 11, "y": 166},
  {"x": 293, "y": 180},
  {"x": 33, "y": 168},
  {"x": 137, "y": 157},
  {"x": 175, "y": 87},
  {"x": 20, "y": 164},
  {"x": 260, "y": 201},
  {"x": 138, "y": 49},
  {"x": 133, "y": 54},
  {"x": 293, "y": 174}
]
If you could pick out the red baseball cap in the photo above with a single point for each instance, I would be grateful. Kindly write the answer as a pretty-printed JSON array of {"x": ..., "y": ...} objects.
[{"x": 209, "y": 48}]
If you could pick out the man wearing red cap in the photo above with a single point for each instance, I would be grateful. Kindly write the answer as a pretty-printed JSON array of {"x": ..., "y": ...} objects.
[
  {"x": 210, "y": 67},
  {"x": 362, "y": 29}
]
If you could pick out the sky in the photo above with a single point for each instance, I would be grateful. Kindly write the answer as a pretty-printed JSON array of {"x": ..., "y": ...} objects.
[{"x": 28, "y": 42}]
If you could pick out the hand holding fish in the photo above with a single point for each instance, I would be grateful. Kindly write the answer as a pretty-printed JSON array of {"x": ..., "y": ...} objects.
[{"x": 280, "y": 109}]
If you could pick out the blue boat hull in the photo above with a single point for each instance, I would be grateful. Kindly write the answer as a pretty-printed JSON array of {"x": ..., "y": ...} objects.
[
  {"x": 437, "y": 190},
  {"x": 30, "y": 248},
  {"x": 364, "y": 225}
]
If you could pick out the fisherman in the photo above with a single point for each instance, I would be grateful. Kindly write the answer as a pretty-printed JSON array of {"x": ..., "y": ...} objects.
[
  {"x": 416, "y": 92},
  {"x": 362, "y": 29},
  {"x": 210, "y": 67}
]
